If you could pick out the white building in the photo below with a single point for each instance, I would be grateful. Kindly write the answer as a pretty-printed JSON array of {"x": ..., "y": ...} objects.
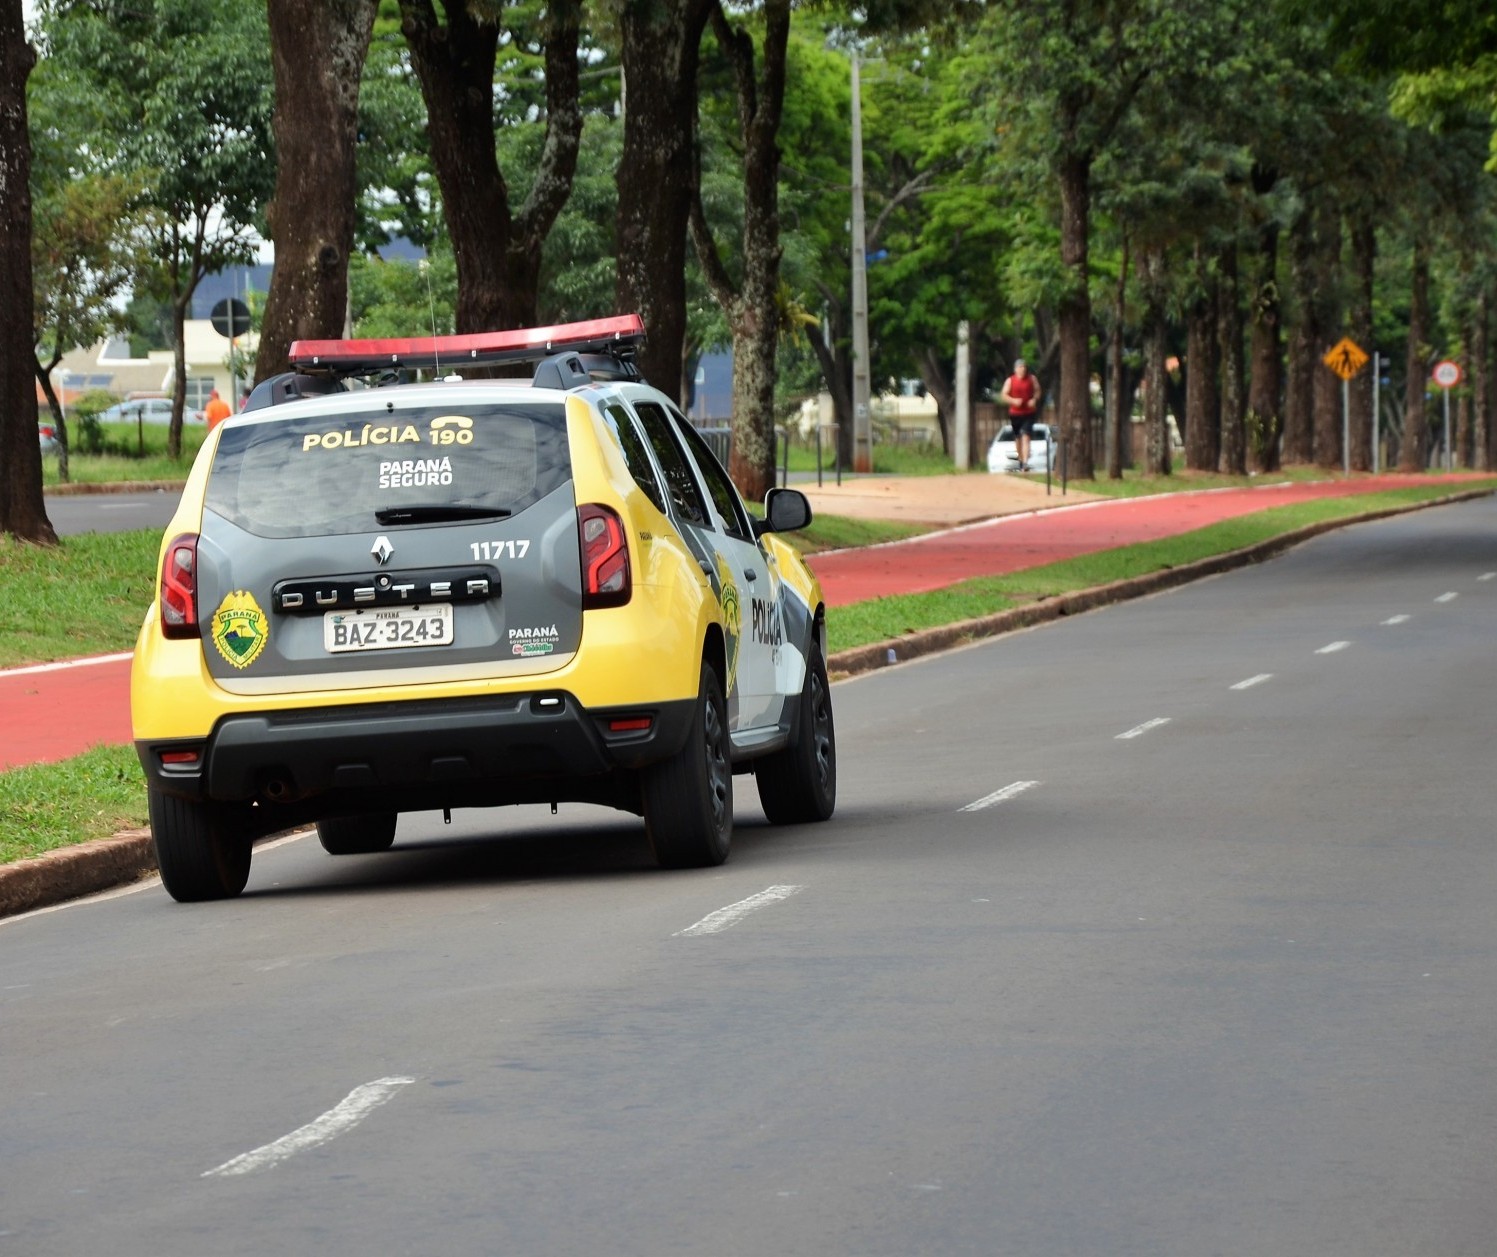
[{"x": 108, "y": 366}]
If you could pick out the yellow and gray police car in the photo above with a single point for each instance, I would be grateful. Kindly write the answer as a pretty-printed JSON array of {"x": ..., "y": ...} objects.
[{"x": 379, "y": 596}]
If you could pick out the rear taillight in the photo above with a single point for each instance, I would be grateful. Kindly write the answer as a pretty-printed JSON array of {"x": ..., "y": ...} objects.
[
  {"x": 179, "y": 588},
  {"x": 605, "y": 558}
]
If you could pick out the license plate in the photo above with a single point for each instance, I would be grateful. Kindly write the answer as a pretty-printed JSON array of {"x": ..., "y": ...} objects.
[{"x": 387, "y": 628}]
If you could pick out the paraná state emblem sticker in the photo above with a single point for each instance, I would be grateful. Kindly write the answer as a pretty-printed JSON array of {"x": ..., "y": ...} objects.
[
  {"x": 240, "y": 629},
  {"x": 732, "y": 619}
]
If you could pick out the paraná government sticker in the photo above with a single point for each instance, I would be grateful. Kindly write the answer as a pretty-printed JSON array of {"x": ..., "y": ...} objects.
[{"x": 240, "y": 629}]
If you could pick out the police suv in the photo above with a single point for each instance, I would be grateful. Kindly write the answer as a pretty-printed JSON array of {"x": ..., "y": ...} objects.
[{"x": 379, "y": 596}]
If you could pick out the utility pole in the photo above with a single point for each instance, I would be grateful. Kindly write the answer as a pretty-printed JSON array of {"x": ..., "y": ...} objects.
[
  {"x": 962, "y": 420},
  {"x": 1377, "y": 436},
  {"x": 862, "y": 419}
]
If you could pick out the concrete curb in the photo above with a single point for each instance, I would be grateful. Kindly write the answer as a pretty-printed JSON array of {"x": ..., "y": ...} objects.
[
  {"x": 91, "y": 867},
  {"x": 71, "y": 490},
  {"x": 69, "y": 872}
]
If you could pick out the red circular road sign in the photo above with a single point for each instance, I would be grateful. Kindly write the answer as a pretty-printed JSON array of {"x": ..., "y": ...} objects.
[{"x": 1447, "y": 373}]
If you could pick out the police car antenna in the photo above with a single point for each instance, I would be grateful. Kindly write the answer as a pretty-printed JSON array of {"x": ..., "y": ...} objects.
[{"x": 431, "y": 304}]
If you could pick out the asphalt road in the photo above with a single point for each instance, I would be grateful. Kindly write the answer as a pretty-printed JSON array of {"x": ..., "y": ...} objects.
[
  {"x": 73, "y": 513},
  {"x": 1164, "y": 930}
]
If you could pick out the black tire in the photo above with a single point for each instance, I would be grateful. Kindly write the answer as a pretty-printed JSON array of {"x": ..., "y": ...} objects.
[
  {"x": 688, "y": 799},
  {"x": 799, "y": 784},
  {"x": 357, "y": 835},
  {"x": 202, "y": 849}
]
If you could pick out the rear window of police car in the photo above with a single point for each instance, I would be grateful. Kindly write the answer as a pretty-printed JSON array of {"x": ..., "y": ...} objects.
[{"x": 322, "y": 474}]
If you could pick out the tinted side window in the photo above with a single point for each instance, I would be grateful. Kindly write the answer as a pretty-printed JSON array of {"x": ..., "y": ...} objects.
[
  {"x": 724, "y": 496},
  {"x": 680, "y": 483},
  {"x": 635, "y": 453}
]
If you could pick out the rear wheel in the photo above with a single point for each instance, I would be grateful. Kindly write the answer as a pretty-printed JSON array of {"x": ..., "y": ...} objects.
[
  {"x": 799, "y": 783},
  {"x": 357, "y": 835},
  {"x": 202, "y": 849},
  {"x": 688, "y": 799}
]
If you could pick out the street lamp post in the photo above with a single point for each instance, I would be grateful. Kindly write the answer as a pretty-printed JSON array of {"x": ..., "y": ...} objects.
[{"x": 862, "y": 422}]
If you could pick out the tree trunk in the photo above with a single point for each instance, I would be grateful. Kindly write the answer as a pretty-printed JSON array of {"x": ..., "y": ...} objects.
[
  {"x": 1363, "y": 270},
  {"x": 59, "y": 419},
  {"x": 1202, "y": 400},
  {"x": 942, "y": 391},
  {"x": 1156, "y": 350},
  {"x": 180, "y": 306},
  {"x": 23, "y": 510},
  {"x": 1481, "y": 383},
  {"x": 1413, "y": 447},
  {"x": 1327, "y": 385},
  {"x": 752, "y": 466},
  {"x": 317, "y": 53},
  {"x": 1265, "y": 410},
  {"x": 1304, "y": 337},
  {"x": 1075, "y": 319},
  {"x": 836, "y": 373},
  {"x": 497, "y": 250},
  {"x": 751, "y": 305},
  {"x": 1116, "y": 416},
  {"x": 1233, "y": 458},
  {"x": 660, "y": 42}
]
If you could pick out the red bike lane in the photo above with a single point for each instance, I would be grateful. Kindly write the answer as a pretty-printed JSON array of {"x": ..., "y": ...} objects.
[
  {"x": 1012, "y": 543},
  {"x": 51, "y": 712}
]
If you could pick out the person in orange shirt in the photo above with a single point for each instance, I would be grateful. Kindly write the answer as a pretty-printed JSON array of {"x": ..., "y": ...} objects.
[{"x": 216, "y": 411}]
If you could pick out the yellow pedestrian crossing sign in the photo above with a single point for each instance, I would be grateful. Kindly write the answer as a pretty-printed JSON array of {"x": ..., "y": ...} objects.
[{"x": 1346, "y": 358}]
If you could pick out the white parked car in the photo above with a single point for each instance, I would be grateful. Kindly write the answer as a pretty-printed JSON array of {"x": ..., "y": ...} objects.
[
  {"x": 148, "y": 410},
  {"x": 1003, "y": 453}
]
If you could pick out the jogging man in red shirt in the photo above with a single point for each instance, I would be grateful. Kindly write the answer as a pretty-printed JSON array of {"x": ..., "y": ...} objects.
[{"x": 1021, "y": 394}]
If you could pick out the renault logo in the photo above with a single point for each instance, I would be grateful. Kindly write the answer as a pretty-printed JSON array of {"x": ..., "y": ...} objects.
[{"x": 382, "y": 550}]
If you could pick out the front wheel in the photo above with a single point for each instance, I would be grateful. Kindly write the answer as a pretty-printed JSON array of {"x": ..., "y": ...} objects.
[
  {"x": 688, "y": 799},
  {"x": 357, "y": 835},
  {"x": 202, "y": 849},
  {"x": 799, "y": 784}
]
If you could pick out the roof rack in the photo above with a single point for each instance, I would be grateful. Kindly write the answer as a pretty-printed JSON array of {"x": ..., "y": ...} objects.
[{"x": 618, "y": 338}]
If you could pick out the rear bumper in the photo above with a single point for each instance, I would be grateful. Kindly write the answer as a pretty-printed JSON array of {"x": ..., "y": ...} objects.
[{"x": 461, "y": 752}]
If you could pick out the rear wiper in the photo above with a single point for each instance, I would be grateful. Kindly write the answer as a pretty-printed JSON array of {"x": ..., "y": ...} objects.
[{"x": 437, "y": 512}]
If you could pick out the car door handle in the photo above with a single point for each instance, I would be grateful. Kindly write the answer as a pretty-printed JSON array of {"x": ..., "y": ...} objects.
[
  {"x": 705, "y": 566},
  {"x": 750, "y": 574}
]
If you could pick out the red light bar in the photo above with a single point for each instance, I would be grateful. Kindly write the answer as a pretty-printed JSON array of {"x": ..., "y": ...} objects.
[{"x": 528, "y": 344}]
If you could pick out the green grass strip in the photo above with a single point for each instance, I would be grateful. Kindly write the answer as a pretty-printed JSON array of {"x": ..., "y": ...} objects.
[
  {"x": 887, "y": 619},
  {"x": 132, "y": 454},
  {"x": 93, "y": 795},
  {"x": 84, "y": 596}
]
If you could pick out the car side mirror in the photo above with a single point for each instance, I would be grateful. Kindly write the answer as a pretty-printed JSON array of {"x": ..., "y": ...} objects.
[{"x": 785, "y": 510}]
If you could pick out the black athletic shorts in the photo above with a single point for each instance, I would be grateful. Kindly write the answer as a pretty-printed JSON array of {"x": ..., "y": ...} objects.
[{"x": 1022, "y": 423}]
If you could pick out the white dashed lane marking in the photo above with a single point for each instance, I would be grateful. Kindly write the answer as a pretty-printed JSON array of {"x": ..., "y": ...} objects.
[
  {"x": 1252, "y": 681},
  {"x": 998, "y": 796},
  {"x": 1450, "y": 597},
  {"x": 1396, "y": 619},
  {"x": 1140, "y": 730},
  {"x": 1332, "y": 647},
  {"x": 339, "y": 1120},
  {"x": 723, "y": 918},
  {"x": 1487, "y": 576}
]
